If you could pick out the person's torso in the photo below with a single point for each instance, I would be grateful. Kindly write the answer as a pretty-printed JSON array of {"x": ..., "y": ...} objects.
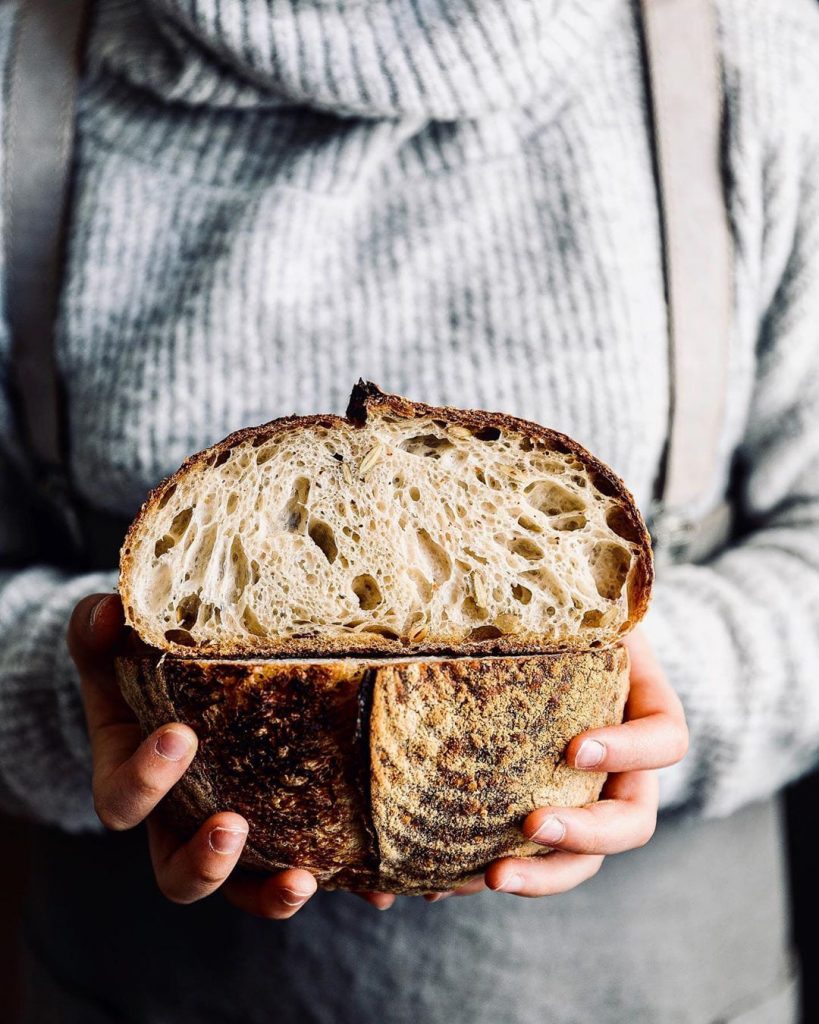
[{"x": 231, "y": 261}]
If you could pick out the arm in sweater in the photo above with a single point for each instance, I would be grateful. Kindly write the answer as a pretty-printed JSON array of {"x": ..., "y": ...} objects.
[
  {"x": 739, "y": 637},
  {"x": 45, "y": 761}
]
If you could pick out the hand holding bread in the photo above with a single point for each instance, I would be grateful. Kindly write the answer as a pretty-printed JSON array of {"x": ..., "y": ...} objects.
[{"x": 384, "y": 631}]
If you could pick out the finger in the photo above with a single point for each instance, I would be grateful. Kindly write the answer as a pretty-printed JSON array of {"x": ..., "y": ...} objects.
[
  {"x": 379, "y": 900},
  {"x": 275, "y": 897},
  {"x": 654, "y": 733},
  {"x": 128, "y": 783},
  {"x": 95, "y": 629},
  {"x": 96, "y": 626},
  {"x": 470, "y": 888},
  {"x": 541, "y": 876},
  {"x": 195, "y": 869},
  {"x": 625, "y": 820}
]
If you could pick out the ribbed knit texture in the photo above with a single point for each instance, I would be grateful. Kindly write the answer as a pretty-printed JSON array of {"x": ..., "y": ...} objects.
[{"x": 454, "y": 200}]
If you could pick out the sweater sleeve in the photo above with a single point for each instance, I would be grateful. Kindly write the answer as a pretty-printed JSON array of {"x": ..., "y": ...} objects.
[
  {"x": 739, "y": 636},
  {"x": 45, "y": 761}
]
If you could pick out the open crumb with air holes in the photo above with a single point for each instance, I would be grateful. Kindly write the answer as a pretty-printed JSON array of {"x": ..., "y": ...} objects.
[{"x": 402, "y": 527}]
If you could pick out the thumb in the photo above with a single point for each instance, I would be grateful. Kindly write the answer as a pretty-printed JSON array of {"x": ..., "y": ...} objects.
[{"x": 95, "y": 627}]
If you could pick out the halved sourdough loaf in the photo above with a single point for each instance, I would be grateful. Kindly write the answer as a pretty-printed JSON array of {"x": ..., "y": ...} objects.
[
  {"x": 401, "y": 775},
  {"x": 402, "y": 528}
]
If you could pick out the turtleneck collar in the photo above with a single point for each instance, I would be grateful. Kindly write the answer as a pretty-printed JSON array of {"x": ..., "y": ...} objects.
[{"x": 439, "y": 59}]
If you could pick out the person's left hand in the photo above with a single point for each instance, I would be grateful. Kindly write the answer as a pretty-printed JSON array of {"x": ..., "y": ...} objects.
[{"x": 653, "y": 735}]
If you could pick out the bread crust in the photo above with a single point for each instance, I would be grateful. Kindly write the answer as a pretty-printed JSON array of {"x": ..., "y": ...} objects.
[
  {"x": 401, "y": 776},
  {"x": 366, "y": 399}
]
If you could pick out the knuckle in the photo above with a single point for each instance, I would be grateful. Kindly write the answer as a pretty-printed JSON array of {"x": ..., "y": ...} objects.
[
  {"x": 144, "y": 790},
  {"x": 109, "y": 815},
  {"x": 207, "y": 873}
]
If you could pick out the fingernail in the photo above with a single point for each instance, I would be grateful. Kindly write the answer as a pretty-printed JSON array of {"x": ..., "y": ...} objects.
[
  {"x": 552, "y": 830},
  {"x": 291, "y": 898},
  {"x": 511, "y": 883},
  {"x": 173, "y": 745},
  {"x": 382, "y": 902},
  {"x": 92, "y": 619},
  {"x": 590, "y": 755},
  {"x": 226, "y": 840}
]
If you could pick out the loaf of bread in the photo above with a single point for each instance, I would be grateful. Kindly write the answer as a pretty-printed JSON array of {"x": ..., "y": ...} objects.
[
  {"x": 403, "y": 527},
  {"x": 403, "y": 776},
  {"x": 384, "y": 629}
]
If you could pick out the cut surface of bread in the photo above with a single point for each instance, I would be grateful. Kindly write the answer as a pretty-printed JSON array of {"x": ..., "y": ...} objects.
[
  {"x": 401, "y": 527},
  {"x": 402, "y": 775}
]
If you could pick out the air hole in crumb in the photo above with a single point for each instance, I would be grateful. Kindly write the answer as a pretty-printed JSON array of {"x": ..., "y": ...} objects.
[
  {"x": 527, "y": 549},
  {"x": 551, "y": 499},
  {"x": 488, "y": 434},
  {"x": 295, "y": 513},
  {"x": 521, "y": 593},
  {"x": 187, "y": 611},
  {"x": 603, "y": 484},
  {"x": 232, "y": 503},
  {"x": 265, "y": 455},
  {"x": 324, "y": 538},
  {"x": 163, "y": 545},
  {"x": 366, "y": 589},
  {"x": 221, "y": 458},
  {"x": 240, "y": 566},
  {"x": 527, "y": 523},
  {"x": 387, "y": 631},
  {"x": 621, "y": 523},
  {"x": 422, "y": 585},
  {"x": 437, "y": 560},
  {"x": 592, "y": 618},
  {"x": 180, "y": 636},
  {"x": 261, "y": 439},
  {"x": 609, "y": 565},
  {"x": 251, "y": 622},
  {"x": 176, "y": 531},
  {"x": 415, "y": 494},
  {"x": 485, "y": 633},
  {"x": 472, "y": 610},
  {"x": 426, "y": 445},
  {"x": 570, "y": 523},
  {"x": 166, "y": 497}
]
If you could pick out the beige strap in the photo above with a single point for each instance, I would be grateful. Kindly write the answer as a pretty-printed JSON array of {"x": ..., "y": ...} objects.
[
  {"x": 686, "y": 97},
  {"x": 40, "y": 131}
]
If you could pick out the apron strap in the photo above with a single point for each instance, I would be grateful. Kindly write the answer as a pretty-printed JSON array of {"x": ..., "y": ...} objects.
[
  {"x": 39, "y": 144},
  {"x": 686, "y": 101}
]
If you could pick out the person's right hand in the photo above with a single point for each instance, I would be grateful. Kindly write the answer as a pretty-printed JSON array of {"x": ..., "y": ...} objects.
[{"x": 131, "y": 776}]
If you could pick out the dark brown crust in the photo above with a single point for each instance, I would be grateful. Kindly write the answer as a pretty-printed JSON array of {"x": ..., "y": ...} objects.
[
  {"x": 277, "y": 744},
  {"x": 365, "y": 398},
  {"x": 325, "y": 779}
]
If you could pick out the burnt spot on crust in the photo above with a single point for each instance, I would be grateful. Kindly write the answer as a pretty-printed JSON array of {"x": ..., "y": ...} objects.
[{"x": 276, "y": 748}]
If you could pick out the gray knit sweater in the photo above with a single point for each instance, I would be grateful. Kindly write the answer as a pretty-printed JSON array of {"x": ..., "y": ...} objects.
[{"x": 454, "y": 199}]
